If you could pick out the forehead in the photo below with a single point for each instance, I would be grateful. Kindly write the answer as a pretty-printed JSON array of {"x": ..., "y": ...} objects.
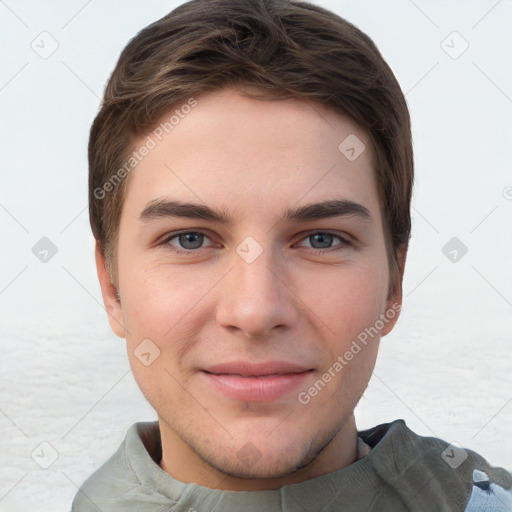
[{"x": 248, "y": 155}]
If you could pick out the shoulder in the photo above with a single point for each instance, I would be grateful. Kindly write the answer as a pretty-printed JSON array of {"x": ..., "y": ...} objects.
[
  {"x": 116, "y": 483},
  {"x": 428, "y": 468}
]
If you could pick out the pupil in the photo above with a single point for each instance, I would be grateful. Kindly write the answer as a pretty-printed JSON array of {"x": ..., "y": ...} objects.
[
  {"x": 324, "y": 239},
  {"x": 192, "y": 238}
]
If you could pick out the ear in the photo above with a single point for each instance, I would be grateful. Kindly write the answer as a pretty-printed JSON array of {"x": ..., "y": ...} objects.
[
  {"x": 109, "y": 292},
  {"x": 394, "y": 301}
]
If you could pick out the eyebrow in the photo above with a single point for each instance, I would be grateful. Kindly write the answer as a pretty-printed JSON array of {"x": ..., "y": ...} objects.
[{"x": 159, "y": 209}]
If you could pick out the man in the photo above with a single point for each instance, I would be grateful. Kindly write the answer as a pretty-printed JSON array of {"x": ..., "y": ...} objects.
[{"x": 251, "y": 172}]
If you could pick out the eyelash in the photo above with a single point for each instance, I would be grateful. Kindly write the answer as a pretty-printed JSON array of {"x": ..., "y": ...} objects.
[{"x": 189, "y": 252}]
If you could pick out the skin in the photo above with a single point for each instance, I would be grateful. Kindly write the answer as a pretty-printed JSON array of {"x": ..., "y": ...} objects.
[{"x": 297, "y": 301}]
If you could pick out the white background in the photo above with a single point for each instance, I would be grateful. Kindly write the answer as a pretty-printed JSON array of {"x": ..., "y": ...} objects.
[{"x": 65, "y": 378}]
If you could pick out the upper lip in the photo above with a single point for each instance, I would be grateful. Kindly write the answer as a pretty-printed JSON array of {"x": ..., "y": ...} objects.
[{"x": 247, "y": 369}]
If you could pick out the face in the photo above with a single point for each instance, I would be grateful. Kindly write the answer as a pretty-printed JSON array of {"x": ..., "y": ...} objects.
[{"x": 241, "y": 313}]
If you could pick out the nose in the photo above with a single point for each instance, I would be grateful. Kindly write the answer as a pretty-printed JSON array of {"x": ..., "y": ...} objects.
[{"x": 257, "y": 297}]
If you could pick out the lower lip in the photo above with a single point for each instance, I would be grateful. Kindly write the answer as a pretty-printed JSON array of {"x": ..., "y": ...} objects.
[{"x": 256, "y": 389}]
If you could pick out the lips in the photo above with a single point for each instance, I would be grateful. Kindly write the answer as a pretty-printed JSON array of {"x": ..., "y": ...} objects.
[
  {"x": 246, "y": 369},
  {"x": 256, "y": 381}
]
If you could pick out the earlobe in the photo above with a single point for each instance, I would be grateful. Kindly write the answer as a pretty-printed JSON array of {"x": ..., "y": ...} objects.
[
  {"x": 394, "y": 302},
  {"x": 109, "y": 293}
]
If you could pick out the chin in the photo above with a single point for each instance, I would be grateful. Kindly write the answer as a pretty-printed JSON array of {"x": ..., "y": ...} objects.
[
  {"x": 274, "y": 467},
  {"x": 278, "y": 459}
]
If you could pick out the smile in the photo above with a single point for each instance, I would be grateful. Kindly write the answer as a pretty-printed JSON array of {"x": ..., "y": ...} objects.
[{"x": 256, "y": 382}]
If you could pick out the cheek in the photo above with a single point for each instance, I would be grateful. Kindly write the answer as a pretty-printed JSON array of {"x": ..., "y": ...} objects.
[
  {"x": 155, "y": 300},
  {"x": 161, "y": 385},
  {"x": 158, "y": 317},
  {"x": 165, "y": 306},
  {"x": 345, "y": 300}
]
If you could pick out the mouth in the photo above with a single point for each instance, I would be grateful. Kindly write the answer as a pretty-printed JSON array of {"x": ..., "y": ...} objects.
[{"x": 260, "y": 382}]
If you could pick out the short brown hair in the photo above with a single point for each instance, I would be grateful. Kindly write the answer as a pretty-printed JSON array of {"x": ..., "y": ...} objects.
[{"x": 287, "y": 49}]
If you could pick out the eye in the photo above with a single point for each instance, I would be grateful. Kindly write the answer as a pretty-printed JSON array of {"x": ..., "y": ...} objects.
[
  {"x": 322, "y": 241},
  {"x": 190, "y": 242},
  {"x": 186, "y": 242}
]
